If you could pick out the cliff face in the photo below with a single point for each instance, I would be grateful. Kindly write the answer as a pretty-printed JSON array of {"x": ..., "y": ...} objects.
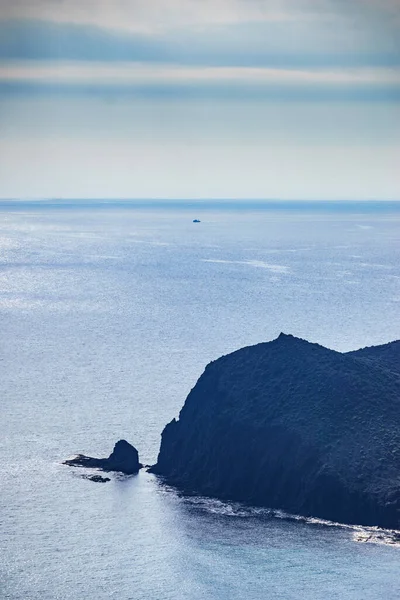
[{"x": 292, "y": 425}]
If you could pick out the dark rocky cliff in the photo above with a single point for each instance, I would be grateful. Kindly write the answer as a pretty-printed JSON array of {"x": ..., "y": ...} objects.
[{"x": 295, "y": 426}]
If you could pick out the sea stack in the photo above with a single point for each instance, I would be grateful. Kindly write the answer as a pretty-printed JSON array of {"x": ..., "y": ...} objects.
[
  {"x": 124, "y": 459},
  {"x": 295, "y": 426}
]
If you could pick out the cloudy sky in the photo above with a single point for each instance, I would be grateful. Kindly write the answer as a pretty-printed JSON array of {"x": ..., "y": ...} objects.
[{"x": 294, "y": 99}]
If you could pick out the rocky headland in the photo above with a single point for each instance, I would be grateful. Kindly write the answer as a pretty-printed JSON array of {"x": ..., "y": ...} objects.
[
  {"x": 124, "y": 459},
  {"x": 295, "y": 426}
]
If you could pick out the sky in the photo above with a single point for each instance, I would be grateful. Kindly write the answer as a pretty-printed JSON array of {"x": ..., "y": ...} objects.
[{"x": 278, "y": 99}]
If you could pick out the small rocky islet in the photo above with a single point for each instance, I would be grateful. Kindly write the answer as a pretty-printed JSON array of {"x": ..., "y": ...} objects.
[
  {"x": 123, "y": 459},
  {"x": 97, "y": 478},
  {"x": 289, "y": 425}
]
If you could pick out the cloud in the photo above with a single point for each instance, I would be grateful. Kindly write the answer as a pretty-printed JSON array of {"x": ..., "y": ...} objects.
[
  {"x": 155, "y": 15},
  {"x": 220, "y": 98},
  {"x": 150, "y": 16},
  {"x": 176, "y": 81},
  {"x": 209, "y": 91},
  {"x": 131, "y": 72},
  {"x": 282, "y": 43}
]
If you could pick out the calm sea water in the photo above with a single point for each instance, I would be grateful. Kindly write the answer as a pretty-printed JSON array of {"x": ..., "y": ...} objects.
[{"x": 109, "y": 313}]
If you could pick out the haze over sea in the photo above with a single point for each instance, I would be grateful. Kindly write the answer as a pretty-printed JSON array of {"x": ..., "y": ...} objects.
[{"x": 109, "y": 313}]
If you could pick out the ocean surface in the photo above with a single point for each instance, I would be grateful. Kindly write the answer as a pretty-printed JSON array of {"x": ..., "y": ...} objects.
[{"x": 109, "y": 313}]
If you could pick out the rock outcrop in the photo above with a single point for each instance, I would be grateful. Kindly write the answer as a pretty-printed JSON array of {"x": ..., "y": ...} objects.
[
  {"x": 124, "y": 458},
  {"x": 294, "y": 426},
  {"x": 97, "y": 478}
]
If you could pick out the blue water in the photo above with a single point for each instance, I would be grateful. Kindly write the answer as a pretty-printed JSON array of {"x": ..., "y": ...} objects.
[{"x": 109, "y": 313}]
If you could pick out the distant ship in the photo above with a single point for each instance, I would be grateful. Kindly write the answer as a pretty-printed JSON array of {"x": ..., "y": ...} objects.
[{"x": 196, "y": 221}]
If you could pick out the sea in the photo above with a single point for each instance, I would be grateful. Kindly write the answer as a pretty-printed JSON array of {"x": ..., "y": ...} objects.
[{"x": 109, "y": 312}]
